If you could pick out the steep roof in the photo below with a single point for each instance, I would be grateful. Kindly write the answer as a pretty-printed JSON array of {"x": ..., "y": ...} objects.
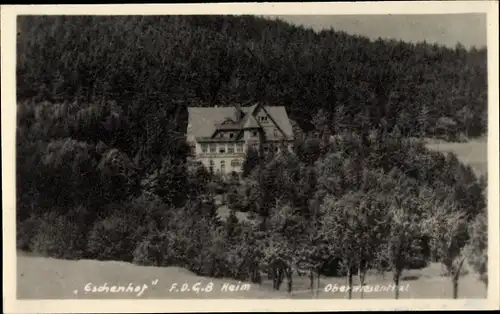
[
  {"x": 250, "y": 122},
  {"x": 204, "y": 120}
]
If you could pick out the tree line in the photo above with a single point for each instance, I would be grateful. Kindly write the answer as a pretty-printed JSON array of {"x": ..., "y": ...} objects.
[{"x": 103, "y": 173}]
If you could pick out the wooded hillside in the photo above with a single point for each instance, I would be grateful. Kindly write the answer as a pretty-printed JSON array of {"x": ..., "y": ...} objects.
[{"x": 207, "y": 60}]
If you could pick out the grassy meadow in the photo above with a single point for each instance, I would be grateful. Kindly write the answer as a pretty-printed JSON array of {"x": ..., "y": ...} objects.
[
  {"x": 473, "y": 152},
  {"x": 49, "y": 278}
]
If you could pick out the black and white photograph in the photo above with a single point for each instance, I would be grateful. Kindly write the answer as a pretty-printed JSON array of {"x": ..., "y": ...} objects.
[{"x": 251, "y": 156}]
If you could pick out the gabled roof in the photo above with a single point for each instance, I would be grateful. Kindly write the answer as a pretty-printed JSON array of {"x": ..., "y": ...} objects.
[
  {"x": 250, "y": 122},
  {"x": 203, "y": 121},
  {"x": 249, "y": 108}
]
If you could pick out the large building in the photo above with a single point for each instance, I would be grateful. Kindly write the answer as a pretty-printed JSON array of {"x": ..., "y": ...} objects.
[{"x": 220, "y": 136}]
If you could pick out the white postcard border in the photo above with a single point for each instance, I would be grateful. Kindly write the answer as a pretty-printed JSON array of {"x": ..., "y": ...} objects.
[{"x": 8, "y": 110}]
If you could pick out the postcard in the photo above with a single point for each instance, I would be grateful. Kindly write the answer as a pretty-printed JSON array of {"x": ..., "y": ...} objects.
[{"x": 250, "y": 157}]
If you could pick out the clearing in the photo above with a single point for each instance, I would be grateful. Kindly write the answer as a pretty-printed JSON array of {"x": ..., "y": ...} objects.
[{"x": 473, "y": 152}]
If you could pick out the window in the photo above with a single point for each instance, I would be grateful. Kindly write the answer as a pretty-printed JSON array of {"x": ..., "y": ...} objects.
[
  {"x": 222, "y": 166},
  {"x": 230, "y": 148},
  {"x": 222, "y": 148},
  {"x": 204, "y": 148},
  {"x": 254, "y": 133},
  {"x": 276, "y": 133},
  {"x": 211, "y": 166},
  {"x": 231, "y": 135},
  {"x": 239, "y": 148},
  {"x": 235, "y": 163},
  {"x": 213, "y": 148}
]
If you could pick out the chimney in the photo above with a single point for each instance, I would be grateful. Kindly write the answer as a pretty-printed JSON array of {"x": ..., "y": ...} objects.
[{"x": 238, "y": 114}]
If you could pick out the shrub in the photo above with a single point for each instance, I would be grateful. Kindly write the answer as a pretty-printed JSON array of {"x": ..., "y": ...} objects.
[
  {"x": 59, "y": 237},
  {"x": 114, "y": 238},
  {"x": 149, "y": 251},
  {"x": 235, "y": 199},
  {"x": 190, "y": 239},
  {"x": 477, "y": 250},
  {"x": 25, "y": 232},
  {"x": 170, "y": 244}
]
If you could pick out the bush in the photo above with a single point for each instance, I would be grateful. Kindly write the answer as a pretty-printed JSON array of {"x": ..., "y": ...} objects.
[
  {"x": 25, "y": 232},
  {"x": 149, "y": 252},
  {"x": 58, "y": 237},
  {"x": 148, "y": 206},
  {"x": 169, "y": 245},
  {"x": 114, "y": 238},
  {"x": 190, "y": 240},
  {"x": 477, "y": 250},
  {"x": 235, "y": 200},
  {"x": 168, "y": 248}
]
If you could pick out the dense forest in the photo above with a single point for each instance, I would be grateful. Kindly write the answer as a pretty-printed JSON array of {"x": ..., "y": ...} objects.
[
  {"x": 101, "y": 159},
  {"x": 206, "y": 60}
]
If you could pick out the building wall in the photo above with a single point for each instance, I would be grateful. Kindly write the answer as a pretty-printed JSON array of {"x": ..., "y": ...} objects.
[
  {"x": 223, "y": 164},
  {"x": 226, "y": 162},
  {"x": 207, "y": 149}
]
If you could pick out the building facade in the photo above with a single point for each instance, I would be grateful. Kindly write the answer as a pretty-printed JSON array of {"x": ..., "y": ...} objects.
[{"x": 220, "y": 136}]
